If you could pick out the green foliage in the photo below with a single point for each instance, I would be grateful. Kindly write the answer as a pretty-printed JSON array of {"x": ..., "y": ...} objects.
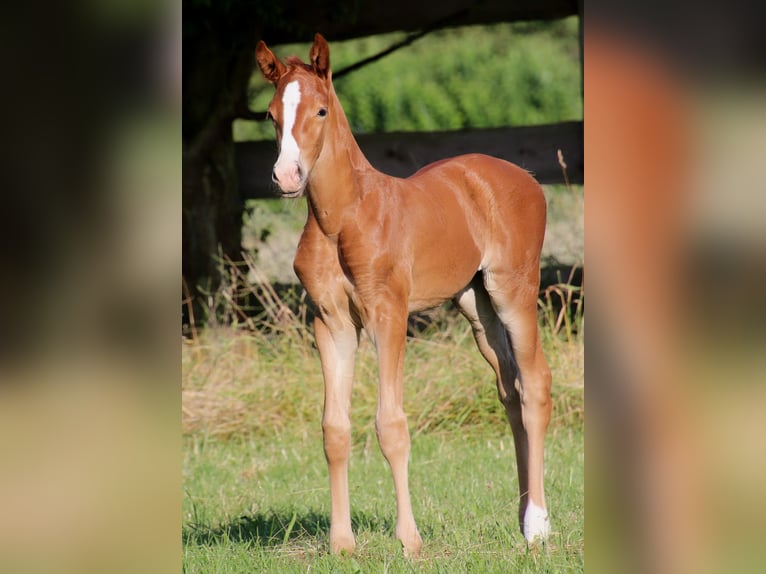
[{"x": 476, "y": 76}]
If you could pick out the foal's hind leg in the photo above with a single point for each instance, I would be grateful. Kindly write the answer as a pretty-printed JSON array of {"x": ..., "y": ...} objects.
[
  {"x": 514, "y": 298},
  {"x": 492, "y": 340}
]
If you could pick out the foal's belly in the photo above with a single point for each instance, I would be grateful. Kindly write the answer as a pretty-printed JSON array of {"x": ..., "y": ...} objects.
[
  {"x": 446, "y": 257},
  {"x": 441, "y": 279}
]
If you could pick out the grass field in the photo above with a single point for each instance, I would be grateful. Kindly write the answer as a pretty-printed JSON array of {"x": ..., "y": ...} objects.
[
  {"x": 254, "y": 505},
  {"x": 256, "y": 493}
]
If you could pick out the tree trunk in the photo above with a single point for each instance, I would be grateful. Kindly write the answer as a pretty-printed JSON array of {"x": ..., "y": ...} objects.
[
  {"x": 217, "y": 66},
  {"x": 212, "y": 212}
]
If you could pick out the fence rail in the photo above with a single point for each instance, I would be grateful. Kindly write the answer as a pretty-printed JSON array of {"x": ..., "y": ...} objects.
[{"x": 401, "y": 154}]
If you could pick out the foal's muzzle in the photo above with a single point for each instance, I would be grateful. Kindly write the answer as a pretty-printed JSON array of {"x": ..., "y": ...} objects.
[{"x": 291, "y": 180}]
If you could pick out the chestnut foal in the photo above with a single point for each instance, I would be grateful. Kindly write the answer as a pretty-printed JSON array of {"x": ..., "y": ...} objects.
[{"x": 376, "y": 247}]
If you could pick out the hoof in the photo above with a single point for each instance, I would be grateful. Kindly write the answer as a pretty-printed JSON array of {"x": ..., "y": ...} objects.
[
  {"x": 342, "y": 545},
  {"x": 411, "y": 544},
  {"x": 536, "y": 523}
]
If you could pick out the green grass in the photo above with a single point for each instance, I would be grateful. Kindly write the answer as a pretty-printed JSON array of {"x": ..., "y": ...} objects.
[
  {"x": 262, "y": 505},
  {"x": 256, "y": 494}
]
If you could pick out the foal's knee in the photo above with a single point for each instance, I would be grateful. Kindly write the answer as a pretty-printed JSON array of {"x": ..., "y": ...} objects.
[
  {"x": 337, "y": 440},
  {"x": 393, "y": 434},
  {"x": 539, "y": 384},
  {"x": 536, "y": 394}
]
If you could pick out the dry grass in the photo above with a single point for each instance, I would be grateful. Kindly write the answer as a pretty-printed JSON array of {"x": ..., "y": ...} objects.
[
  {"x": 255, "y": 483},
  {"x": 261, "y": 375}
]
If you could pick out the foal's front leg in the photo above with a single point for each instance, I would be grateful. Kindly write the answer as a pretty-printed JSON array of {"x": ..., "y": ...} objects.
[
  {"x": 390, "y": 330},
  {"x": 337, "y": 349}
]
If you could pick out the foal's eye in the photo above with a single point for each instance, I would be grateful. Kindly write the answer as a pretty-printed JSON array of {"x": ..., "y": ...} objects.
[{"x": 322, "y": 112}]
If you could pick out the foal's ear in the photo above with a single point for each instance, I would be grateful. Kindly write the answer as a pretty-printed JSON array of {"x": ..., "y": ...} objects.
[
  {"x": 271, "y": 68},
  {"x": 320, "y": 56}
]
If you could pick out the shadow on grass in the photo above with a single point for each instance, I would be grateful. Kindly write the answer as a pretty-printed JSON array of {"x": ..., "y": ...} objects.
[{"x": 277, "y": 528}]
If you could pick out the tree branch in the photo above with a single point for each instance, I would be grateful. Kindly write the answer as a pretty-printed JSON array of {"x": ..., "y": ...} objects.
[{"x": 246, "y": 113}]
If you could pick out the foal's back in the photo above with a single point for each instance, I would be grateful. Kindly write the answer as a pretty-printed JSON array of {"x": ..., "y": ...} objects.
[
  {"x": 453, "y": 218},
  {"x": 492, "y": 186}
]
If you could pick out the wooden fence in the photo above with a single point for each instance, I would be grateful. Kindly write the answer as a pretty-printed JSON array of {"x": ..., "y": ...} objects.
[{"x": 535, "y": 148}]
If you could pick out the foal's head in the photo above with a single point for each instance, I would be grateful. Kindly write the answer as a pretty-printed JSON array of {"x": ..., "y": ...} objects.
[{"x": 298, "y": 110}]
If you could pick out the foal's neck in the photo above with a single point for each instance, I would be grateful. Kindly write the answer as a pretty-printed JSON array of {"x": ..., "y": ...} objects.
[{"x": 334, "y": 183}]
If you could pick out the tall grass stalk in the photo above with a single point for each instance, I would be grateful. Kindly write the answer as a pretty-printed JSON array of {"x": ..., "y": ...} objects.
[
  {"x": 261, "y": 374},
  {"x": 255, "y": 485}
]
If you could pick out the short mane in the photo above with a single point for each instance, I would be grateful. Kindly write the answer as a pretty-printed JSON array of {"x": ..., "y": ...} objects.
[{"x": 296, "y": 62}]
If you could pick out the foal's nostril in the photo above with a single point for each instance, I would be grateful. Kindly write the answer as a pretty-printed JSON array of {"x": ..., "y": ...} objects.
[
  {"x": 274, "y": 177},
  {"x": 300, "y": 172}
]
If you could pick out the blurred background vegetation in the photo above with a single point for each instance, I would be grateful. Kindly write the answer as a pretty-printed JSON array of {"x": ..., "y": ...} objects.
[
  {"x": 522, "y": 73},
  {"x": 457, "y": 75},
  {"x": 251, "y": 371}
]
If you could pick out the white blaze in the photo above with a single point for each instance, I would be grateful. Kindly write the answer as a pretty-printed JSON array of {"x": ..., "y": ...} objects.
[{"x": 288, "y": 150}]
